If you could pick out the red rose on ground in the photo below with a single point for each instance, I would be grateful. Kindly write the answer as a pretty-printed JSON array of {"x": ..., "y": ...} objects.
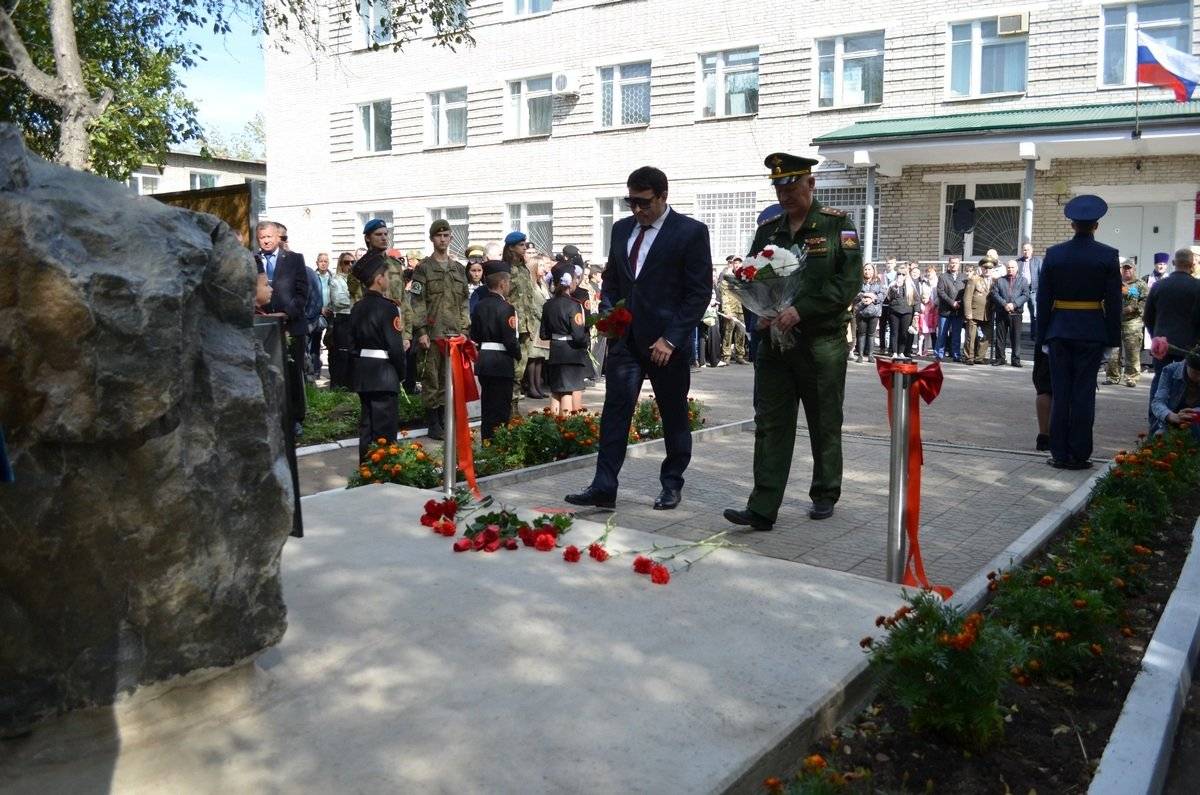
[
  {"x": 544, "y": 542},
  {"x": 571, "y": 554},
  {"x": 660, "y": 574},
  {"x": 462, "y": 544},
  {"x": 511, "y": 543},
  {"x": 445, "y": 527},
  {"x": 491, "y": 546},
  {"x": 642, "y": 565},
  {"x": 525, "y": 533},
  {"x": 428, "y": 520},
  {"x": 491, "y": 533},
  {"x": 598, "y": 552},
  {"x": 431, "y": 507}
]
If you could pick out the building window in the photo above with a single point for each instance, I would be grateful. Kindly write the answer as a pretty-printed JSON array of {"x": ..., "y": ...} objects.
[
  {"x": 530, "y": 106},
  {"x": 459, "y": 228},
  {"x": 730, "y": 218},
  {"x": 375, "y": 126},
  {"x": 1166, "y": 22},
  {"x": 523, "y": 8},
  {"x": 536, "y": 220},
  {"x": 850, "y": 70},
  {"x": 376, "y": 23},
  {"x": 983, "y": 62},
  {"x": 625, "y": 94},
  {"x": 198, "y": 180},
  {"x": 258, "y": 195},
  {"x": 729, "y": 83},
  {"x": 144, "y": 184},
  {"x": 852, "y": 199},
  {"x": 608, "y": 212},
  {"x": 448, "y": 117},
  {"x": 997, "y": 219}
]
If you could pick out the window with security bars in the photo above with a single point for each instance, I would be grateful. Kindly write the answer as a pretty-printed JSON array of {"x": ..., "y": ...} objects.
[
  {"x": 536, "y": 220},
  {"x": 997, "y": 219},
  {"x": 447, "y": 119},
  {"x": 459, "y": 228},
  {"x": 730, "y": 218},
  {"x": 852, "y": 199},
  {"x": 625, "y": 94},
  {"x": 608, "y": 211}
]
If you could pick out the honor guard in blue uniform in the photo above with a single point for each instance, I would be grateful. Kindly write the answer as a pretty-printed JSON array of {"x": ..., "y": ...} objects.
[
  {"x": 1079, "y": 315},
  {"x": 494, "y": 330},
  {"x": 377, "y": 345}
]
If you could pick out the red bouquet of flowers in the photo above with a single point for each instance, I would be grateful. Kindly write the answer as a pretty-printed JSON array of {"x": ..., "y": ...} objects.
[{"x": 614, "y": 324}]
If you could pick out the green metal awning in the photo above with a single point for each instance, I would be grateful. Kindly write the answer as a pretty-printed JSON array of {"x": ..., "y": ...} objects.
[{"x": 1010, "y": 121}]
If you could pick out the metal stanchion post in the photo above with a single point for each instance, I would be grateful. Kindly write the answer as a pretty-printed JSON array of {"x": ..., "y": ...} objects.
[
  {"x": 898, "y": 479},
  {"x": 449, "y": 465}
]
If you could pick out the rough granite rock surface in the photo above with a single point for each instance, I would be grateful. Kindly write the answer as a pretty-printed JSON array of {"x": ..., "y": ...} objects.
[{"x": 142, "y": 538}]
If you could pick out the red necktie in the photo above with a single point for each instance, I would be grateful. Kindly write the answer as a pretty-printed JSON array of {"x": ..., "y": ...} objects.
[{"x": 633, "y": 252}]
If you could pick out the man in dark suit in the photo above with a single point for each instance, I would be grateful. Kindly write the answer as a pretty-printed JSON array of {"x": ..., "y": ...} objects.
[
  {"x": 1079, "y": 303},
  {"x": 1010, "y": 293},
  {"x": 1171, "y": 311},
  {"x": 289, "y": 283},
  {"x": 660, "y": 265}
]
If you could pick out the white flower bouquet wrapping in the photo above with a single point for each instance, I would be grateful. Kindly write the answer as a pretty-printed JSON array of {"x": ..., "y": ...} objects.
[{"x": 767, "y": 283}]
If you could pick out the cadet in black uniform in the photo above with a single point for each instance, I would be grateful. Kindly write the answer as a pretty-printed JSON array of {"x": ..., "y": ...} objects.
[
  {"x": 563, "y": 324},
  {"x": 377, "y": 340},
  {"x": 494, "y": 330}
]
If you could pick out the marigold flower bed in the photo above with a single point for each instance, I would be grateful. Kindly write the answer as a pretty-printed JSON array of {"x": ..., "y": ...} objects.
[{"x": 1075, "y": 622}]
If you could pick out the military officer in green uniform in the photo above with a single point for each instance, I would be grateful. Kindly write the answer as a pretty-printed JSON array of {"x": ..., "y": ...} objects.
[
  {"x": 439, "y": 310},
  {"x": 812, "y": 371},
  {"x": 525, "y": 298},
  {"x": 1133, "y": 302}
]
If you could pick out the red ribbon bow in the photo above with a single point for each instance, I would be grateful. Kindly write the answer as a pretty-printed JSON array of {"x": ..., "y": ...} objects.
[
  {"x": 462, "y": 354},
  {"x": 926, "y": 383}
]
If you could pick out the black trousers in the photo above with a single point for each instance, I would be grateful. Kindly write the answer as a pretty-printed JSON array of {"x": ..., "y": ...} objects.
[
  {"x": 314, "y": 350},
  {"x": 1008, "y": 327},
  {"x": 339, "y": 355},
  {"x": 378, "y": 416},
  {"x": 886, "y": 345},
  {"x": 901, "y": 341},
  {"x": 864, "y": 335},
  {"x": 297, "y": 351},
  {"x": 495, "y": 403}
]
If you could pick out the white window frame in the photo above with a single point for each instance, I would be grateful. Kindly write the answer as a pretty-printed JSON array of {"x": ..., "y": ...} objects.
[
  {"x": 194, "y": 173},
  {"x": 977, "y": 45},
  {"x": 721, "y": 72},
  {"x": 434, "y": 133},
  {"x": 1132, "y": 26},
  {"x": 516, "y": 114},
  {"x": 617, "y": 83},
  {"x": 839, "y": 59},
  {"x": 970, "y": 183},
  {"x": 601, "y": 231},
  {"x": 520, "y": 9},
  {"x": 368, "y": 31},
  {"x": 720, "y": 247},
  {"x": 363, "y": 146},
  {"x": 137, "y": 181},
  {"x": 519, "y": 219},
  {"x": 387, "y": 216},
  {"x": 460, "y": 228}
]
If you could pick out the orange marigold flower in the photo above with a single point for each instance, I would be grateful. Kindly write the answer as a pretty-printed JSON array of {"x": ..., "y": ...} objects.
[
  {"x": 1118, "y": 582},
  {"x": 366, "y": 473},
  {"x": 1127, "y": 632},
  {"x": 1034, "y": 665},
  {"x": 814, "y": 762},
  {"x": 421, "y": 456},
  {"x": 1097, "y": 649},
  {"x": 1079, "y": 604},
  {"x": 867, "y": 642},
  {"x": 1046, "y": 581},
  {"x": 1062, "y": 636},
  {"x": 376, "y": 456},
  {"x": 773, "y": 784},
  {"x": 381, "y": 440}
]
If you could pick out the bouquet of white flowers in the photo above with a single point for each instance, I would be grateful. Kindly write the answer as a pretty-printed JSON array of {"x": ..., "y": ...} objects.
[{"x": 767, "y": 283}]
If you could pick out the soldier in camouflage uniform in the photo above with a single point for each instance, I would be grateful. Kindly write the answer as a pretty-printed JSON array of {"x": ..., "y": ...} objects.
[
  {"x": 525, "y": 298},
  {"x": 439, "y": 309},
  {"x": 733, "y": 340},
  {"x": 1133, "y": 301},
  {"x": 375, "y": 234}
]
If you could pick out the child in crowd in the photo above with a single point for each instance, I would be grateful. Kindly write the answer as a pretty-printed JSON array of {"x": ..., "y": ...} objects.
[
  {"x": 564, "y": 326},
  {"x": 377, "y": 339},
  {"x": 494, "y": 330}
]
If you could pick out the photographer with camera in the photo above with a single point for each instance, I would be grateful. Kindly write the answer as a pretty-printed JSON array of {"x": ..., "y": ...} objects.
[{"x": 867, "y": 307}]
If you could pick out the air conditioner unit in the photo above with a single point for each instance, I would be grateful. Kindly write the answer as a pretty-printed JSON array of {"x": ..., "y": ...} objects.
[
  {"x": 1012, "y": 24},
  {"x": 566, "y": 84}
]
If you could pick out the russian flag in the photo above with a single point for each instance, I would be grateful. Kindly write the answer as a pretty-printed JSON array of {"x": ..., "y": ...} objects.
[{"x": 1165, "y": 66}]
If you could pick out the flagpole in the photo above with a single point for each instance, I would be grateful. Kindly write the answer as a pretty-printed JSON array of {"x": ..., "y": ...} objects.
[{"x": 1137, "y": 110}]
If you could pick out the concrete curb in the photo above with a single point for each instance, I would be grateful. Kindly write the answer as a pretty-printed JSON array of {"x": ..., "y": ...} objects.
[{"x": 1139, "y": 749}]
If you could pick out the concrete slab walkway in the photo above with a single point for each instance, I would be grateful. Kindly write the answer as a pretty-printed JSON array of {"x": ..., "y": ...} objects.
[{"x": 409, "y": 668}]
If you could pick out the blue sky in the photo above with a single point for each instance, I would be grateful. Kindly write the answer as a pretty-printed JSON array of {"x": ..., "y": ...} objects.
[{"x": 227, "y": 87}]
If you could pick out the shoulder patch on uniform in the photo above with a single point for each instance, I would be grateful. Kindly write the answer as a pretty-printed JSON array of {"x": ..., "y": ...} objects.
[
  {"x": 834, "y": 212},
  {"x": 578, "y": 319},
  {"x": 417, "y": 288},
  {"x": 397, "y": 324},
  {"x": 849, "y": 238},
  {"x": 512, "y": 321}
]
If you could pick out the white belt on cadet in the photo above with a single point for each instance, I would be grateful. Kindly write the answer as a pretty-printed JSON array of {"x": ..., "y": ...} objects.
[
  {"x": 492, "y": 346},
  {"x": 372, "y": 353},
  {"x": 561, "y": 337}
]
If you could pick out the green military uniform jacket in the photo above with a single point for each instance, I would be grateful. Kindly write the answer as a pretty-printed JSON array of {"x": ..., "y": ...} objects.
[
  {"x": 833, "y": 271},
  {"x": 1133, "y": 301},
  {"x": 439, "y": 298},
  {"x": 398, "y": 293},
  {"x": 525, "y": 298}
]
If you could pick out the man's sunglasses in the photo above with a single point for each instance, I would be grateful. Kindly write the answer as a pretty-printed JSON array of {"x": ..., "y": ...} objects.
[{"x": 635, "y": 202}]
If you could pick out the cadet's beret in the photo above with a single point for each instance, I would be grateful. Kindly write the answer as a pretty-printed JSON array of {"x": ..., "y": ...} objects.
[
  {"x": 474, "y": 250},
  {"x": 439, "y": 226},
  {"x": 513, "y": 238},
  {"x": 367, "y": 266},
  {"x": 373, "y": 224},
  {"x": 496, "y": 266},
  {"x": 769, "y": 214},
  {"x": 1162, "y": 256},
  {"x": 1086, "y": 208},
  {"x": 786, "y": 169}
]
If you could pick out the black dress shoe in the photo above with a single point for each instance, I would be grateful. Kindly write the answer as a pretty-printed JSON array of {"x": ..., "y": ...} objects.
[
  {"x": 821, "y": 510},
  {"x": 667, "y": 499},
  {"x": 1017, "y": 363},
  {"x": 591, "y": 496},
  {"x": 1054, "y": 462},
  {"x": 747, "y": 518}
]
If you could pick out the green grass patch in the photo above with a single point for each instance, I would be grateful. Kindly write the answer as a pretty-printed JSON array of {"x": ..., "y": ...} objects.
[{"x": 333, "y": 414}]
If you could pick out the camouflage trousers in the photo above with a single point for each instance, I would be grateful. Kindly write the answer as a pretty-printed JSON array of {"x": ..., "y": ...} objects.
[
  {"x": 431, "y": 370},
  {"x": 526, "y": 341},
  {"x": 1128, "y": 356},
  {"x": 733, "y": 340}
]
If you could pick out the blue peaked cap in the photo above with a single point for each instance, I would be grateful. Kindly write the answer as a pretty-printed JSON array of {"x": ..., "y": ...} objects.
[{"x": 1086, "y": 208}]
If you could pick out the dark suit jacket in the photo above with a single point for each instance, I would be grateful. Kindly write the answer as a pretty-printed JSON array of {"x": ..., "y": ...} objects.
[
  {"x": 1017, "y": 295},
  {"x": 669, "y": 296},
  {"x": 291, "y": 290},
  {"x": 1172, "y": 308},
  {"x": 1081, "y": 269},
  {"x": 950, "y": 288}
]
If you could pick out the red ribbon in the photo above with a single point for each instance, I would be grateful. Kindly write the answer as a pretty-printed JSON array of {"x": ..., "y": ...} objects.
[
  {"x": 462, "y": 354},
  {"x": 926, "y": 384}
]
